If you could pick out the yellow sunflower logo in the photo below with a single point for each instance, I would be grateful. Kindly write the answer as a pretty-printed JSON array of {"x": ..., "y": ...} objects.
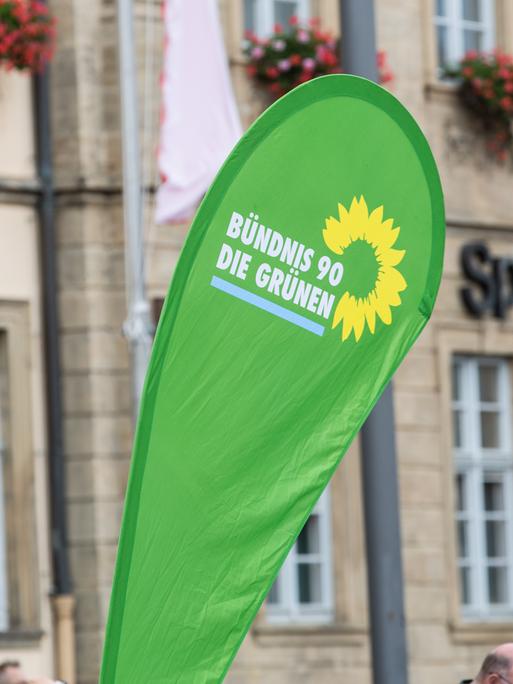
[{"x": 372, "y": 282}]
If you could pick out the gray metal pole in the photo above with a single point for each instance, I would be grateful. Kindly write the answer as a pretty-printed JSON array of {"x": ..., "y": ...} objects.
[
  {"x": 379, "y": 467},
  {"x": 137, "y": 327}
]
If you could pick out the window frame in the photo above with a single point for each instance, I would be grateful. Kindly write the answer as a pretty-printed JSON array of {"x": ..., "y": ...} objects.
[
  {"x": 475, "y": 464},
  {"x": 19, "y": 506},
  {"x": 264, "y": 15},
  {"x": 455, "y": 25},
  {"x": 288, "y": 610}
]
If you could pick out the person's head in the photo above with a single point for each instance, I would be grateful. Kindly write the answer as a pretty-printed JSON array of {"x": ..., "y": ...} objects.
[
  {"x": 11, "y": 673},
  {"x": 497, "y": 667}
]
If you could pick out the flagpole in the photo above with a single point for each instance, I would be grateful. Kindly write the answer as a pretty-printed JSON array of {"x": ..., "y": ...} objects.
[
  {"x": 379, "y": 463},
  {"x": 137, "y": 327}
]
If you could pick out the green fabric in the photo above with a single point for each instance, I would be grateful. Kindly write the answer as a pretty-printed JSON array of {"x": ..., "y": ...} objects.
[{"x": 245, "y": 414}]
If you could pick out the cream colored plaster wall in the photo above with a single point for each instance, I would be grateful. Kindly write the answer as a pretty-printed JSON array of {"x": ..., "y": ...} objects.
[{"x": 16, "y": 136}]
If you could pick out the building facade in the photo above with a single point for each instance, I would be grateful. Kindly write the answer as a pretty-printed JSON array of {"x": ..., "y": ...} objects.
[
  {"x": 453, "y": 393},
  {"x": 26, "y": 623}
]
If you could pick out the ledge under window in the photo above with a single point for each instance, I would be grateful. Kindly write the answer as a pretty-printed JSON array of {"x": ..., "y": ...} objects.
[
  {"x": 293, "y": 635},
  {"x": 20, "y": 638},
  {"x": 481, "y": 631}
]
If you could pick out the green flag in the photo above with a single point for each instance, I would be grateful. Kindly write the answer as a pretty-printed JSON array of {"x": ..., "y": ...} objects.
[{"x": 311, "y": 267}]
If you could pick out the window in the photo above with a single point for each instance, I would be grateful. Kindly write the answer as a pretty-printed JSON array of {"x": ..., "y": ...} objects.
[
  {"x": 260, "y": 16},
  {"x": 302, "y": 592},
  {"x": 461, "y": 26},
  {"x": 4, "y": 421},
  {"x": 484, "y": 486},
  {"x": 19, "y": 599}
]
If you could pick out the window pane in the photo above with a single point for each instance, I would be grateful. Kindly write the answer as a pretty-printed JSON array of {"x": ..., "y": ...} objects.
[
  {"x": 472, "y": 40},
  {"x": 441, "y": 43},
  {"x": 465, "y": 586},
  {"x": 249, "y": 15},
  {"x": 488, "y": 383},
  {"x": 273, "y": 597},
  {"x": 472, "y": 10},
  {"x": 309, "y": 582},
  {"x": 498, "y": 585},
  {"x": 493, "y": 496},
  {"x": 441, "y": 8},
  {"x": 308, "y": 540},
  {"x": 461, "y": 493},
  {"x": 283, "y": 11},
  {"x": 495, "y": 538},
  {"x": 457, "y": 428},
  {"x": 463, "y": 539},
  {"x": 490, "y": 430},
  {"x": 456, "y": 381}
]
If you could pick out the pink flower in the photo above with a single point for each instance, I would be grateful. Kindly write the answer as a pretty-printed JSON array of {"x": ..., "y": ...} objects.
[
  {"x": 504, "y": 73},
  {"x": 278, "y": 45},
  {"x": 467, "y": 72},
  {"x": 471, "y": 54},
  {"x": 508, "y": 87},
  {"x": 309, "y": 64},
  {"x": 303, "y": 36},
  {"x": 293, "y": 21},
  {"x": 257, "y": 52},
  {"x": 284, "y": 64}
]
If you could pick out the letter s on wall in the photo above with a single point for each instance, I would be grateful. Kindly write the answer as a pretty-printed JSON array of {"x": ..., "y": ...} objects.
[{"x": 472, "y": 256}]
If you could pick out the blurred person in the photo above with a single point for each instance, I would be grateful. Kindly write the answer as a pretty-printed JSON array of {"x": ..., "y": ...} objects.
[
  {"x": 497, "y": 667},
  {"x": 11, "y": 673}
]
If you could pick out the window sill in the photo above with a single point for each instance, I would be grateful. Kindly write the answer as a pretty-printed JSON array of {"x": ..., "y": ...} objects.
[
  {"x": 332, "y": 634},
  {"x": 478, "y": 632},
  {"x": 442, "y": 89},
  {"x": 20, "y": 638}
]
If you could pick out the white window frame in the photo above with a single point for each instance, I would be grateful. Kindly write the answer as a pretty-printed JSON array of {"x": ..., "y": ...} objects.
[
  {"x": 476, "y": 464},
  {"x": 288, "y": 610},
  {"x": 456, "y": 25},
  {"x": 265, "y": 17}
]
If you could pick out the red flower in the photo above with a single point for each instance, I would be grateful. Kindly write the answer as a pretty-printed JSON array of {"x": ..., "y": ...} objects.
[
  {"x": 506, "y": 103},
  {"x": 467, "y": 72},
  {"x": 386, "y": 77},
  {"x": 278, "y": 28},
  {"x": 293, "y": 21},
  {"x": 275, "y": 88},
  {"x": 508, "y": 87},
  {"x": 27, "y": 34},
  {"x": 272, "y": 72},
  {"x": 471, "y": 55},
  {"x": 295, "y": 59},
  {"x": 504, "y": 73}
]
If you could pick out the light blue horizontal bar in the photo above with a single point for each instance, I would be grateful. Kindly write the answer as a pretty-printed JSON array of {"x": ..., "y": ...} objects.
[{"x": 265, "y": 304}]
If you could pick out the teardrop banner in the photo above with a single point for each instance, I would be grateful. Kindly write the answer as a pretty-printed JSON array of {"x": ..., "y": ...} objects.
[{"x": 310, "y": 269}]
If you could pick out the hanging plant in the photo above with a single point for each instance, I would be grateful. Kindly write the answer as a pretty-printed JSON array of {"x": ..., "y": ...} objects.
[
  {"x": 290, "y": 57},
  {"x": 486, "y": 90},
  {"x": 27, "y": 35}
]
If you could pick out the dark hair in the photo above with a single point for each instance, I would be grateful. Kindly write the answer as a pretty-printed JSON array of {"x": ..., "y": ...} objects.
[{"x": 494, "y": 664}]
